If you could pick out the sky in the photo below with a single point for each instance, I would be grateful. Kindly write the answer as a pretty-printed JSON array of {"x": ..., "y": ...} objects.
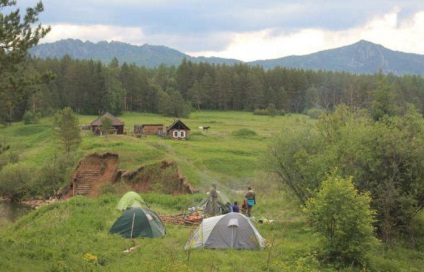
[{"x": 246, "y": 30}]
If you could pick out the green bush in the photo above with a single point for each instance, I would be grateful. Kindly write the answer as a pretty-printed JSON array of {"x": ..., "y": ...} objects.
[
  {"x": 17, "y": 181},
  {"x": 31, "y": 118},
  {"x": 343, "y": 219},
  {"x": 269, "y": 112},
  {"x": 27, "y": 118},
  {"x": 244, "y": 132},
  {"x": 55, "y": 174},
  {"x": 314, "y": 113}
]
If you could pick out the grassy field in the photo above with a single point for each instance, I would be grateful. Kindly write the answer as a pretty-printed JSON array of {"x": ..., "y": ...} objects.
[
  {"x": 73, "y": 235},
  {"x": 209, "y": 156}
]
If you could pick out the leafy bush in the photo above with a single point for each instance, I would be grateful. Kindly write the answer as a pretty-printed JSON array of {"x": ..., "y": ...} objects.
[
  {"x": 55, "y": 174},
  {"x": 343, "y": 219},
  {"x": 17, "y": 181},
  {"x": 244, "y": 132},
  {"x": 31, "y": 118},
  {"x": 267, "y": 112},
  {"x": 314, "y": 113},
  {"x": 27, "y": 118}
]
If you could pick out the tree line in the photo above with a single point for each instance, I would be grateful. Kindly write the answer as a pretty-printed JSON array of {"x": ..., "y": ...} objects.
[{"x": 91, "y": 87}]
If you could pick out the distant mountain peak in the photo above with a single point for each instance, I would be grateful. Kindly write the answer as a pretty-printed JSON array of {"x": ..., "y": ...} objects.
[
  {"x": 360, "y": 57},
  {"x": 364, "y": 42}
]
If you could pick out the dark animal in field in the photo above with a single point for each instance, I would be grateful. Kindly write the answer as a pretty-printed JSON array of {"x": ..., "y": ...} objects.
[{"x": 204, "y": 128}]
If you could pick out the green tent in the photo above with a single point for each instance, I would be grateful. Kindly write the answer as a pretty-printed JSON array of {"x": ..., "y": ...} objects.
[
  {"x": 130, "y": 199},
  {"x": 138, "y": 222}
]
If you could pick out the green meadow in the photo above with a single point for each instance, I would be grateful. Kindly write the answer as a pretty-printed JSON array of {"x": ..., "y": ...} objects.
[{"x": 73, "y": 235}]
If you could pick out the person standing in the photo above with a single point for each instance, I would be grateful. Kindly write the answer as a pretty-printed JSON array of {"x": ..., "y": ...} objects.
[
  {"x": 244, "y": 207},
  {"x": 213, "y": 197},
  {"x": 235, "y": 207},
  {"x": 251, "y": 200}
]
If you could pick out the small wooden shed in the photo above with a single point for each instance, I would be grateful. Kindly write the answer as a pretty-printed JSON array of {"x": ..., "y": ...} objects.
[
  {"x": 117, "y": 125},
  {"x": 178, "y": 130},
  {"x": 149, "y": 129}
]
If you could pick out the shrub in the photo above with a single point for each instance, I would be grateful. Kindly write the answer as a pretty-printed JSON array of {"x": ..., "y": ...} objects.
[
  {"x": 271, "y": 112},
  {"x": 27, "y": 118},
  {"x": 314, "y": 113},
  {"x": 343, "y": 219},
  {"x": 244, "y": 132},
  {"x": 31, "y": 118},
  {"x": 17, "y": 181},
  {"x": 55, "y": 174}
]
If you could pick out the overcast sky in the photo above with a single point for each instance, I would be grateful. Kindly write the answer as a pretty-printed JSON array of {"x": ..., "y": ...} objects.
[{"x": 245, "y": 29}]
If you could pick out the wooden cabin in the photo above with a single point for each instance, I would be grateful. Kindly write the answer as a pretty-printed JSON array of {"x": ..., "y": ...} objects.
[
  {"x": 148, "y": 129},
  {"x": 117, "y": 125},
  {"x": 178, "y": 130}
]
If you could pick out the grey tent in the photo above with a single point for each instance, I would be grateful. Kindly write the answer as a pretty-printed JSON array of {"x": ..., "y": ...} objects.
[
  {"x": 138, "y": 222},
  {"x": 231, "y": 230}
]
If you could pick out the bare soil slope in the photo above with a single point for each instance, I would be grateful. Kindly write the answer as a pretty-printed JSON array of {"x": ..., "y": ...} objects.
[
  {"x": 164, "y": 177},
  {"x": 100, "y": 169}
]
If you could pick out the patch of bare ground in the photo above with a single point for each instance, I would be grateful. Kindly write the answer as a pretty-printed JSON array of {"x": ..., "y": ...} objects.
[
  {"x": 100, "y": 169},
  {"x": 163, "y": 177}
]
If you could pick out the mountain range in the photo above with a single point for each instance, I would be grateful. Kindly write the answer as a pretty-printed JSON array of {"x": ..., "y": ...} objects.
[{"x": 362, "y": 57}]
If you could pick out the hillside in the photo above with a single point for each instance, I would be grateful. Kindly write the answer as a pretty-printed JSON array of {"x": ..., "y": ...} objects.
[
  {"x": 203, "y": 159},
  {"x": 362, "y": 57}
]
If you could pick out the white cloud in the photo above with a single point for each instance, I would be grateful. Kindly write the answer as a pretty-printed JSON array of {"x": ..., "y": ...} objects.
[
  {"x": 263, "y": 45},
  {"x": 404, "y": 36},
  {"x": 386, "y": 30}
]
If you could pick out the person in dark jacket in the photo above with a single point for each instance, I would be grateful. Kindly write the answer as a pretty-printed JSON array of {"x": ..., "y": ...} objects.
[{"x": 235, "y": 207}]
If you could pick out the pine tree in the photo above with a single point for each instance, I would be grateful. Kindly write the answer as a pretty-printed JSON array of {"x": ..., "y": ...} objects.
[
  {"x": 67, "y": 129},
  {"x": 17, "y": 35}
]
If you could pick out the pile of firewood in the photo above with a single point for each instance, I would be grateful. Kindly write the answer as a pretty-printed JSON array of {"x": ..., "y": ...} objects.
[{"x": 182, "y": 219}]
